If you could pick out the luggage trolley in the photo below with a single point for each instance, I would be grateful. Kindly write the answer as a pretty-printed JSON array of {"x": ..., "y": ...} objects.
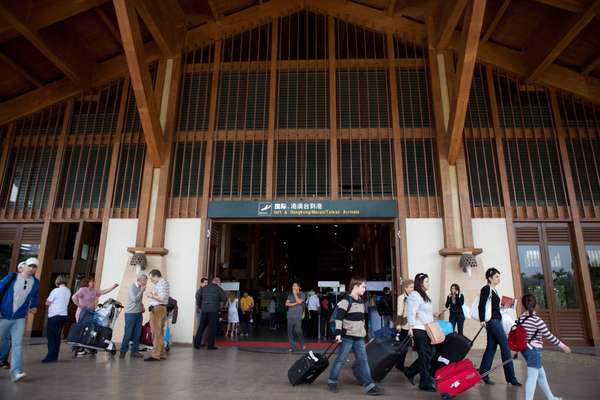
[{"x": 94, "y": 329}]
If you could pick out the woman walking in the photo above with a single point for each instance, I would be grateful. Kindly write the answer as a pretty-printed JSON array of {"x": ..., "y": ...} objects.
[
  {"x": 408, "y": 286},
  {"x": 454, "y": 303},
  {"x": 420, "y": 313},
  {"x": 493, "y": 326},
  {"x": 536, "y": 331},
  {"x": 58, "y": 304},
  {"x": 233, "y": 316}
]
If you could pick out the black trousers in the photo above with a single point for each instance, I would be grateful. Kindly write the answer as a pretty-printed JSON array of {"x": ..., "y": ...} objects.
[
  {"x": 207, "y": 320},
  {"x": 402, "y": 359},
  {"x": 313, "y": 326},
  {"x": 422, "y": 364},
  {"x": 54, "y": 329}
]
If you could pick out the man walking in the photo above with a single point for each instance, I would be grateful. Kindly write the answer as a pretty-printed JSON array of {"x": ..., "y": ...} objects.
[
  {"x": 295, "y": 305},
  {"x": 134, "y": 312},
  {"x": 19, "y": 296},
  {"x": 313, "y": 311},
  {"x": 209, "y": 299},
  {"x": 247, "y": 307},
  {"x": 159, "y": 299}
]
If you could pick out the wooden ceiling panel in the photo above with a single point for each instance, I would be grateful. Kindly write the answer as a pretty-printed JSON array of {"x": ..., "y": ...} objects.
[
  {"x": 584, "y": 49},
  {"x": 196, "y": 12},
  {"x": 228, "y": 7},
  {"x": 92, "y": 35},
  {"x": 24, "y": 53},
  {"x": 377, "y": 4},
  {"x": 12, "y": 84},
  {"x": 520, "y": 22}
]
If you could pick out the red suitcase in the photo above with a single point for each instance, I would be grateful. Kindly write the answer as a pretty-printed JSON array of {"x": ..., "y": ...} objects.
[
  {"x": 146, "y": 338},
  {"x": 458, "y": 377}
]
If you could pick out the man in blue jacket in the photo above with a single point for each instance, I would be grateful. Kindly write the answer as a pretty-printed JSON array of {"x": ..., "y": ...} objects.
[{"x": 19, "y": 297}]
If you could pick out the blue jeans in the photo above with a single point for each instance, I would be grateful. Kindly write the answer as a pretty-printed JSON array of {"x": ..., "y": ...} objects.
[
  {"x": 536, "y": 375},
  {"x": 360, "y": 352},
  {"x": 496, "y": 337},
  {"x": 133, "y": 332},
  {"x": 457, "y": 319},
  {"x": 16, "y": 327},
  {"x": 54, "y": 329},
  {"x": 5, "y": 347}
]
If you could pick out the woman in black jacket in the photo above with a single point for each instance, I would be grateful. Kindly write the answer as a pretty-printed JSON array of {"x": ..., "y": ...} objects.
[{"x": 454, "y": 303}]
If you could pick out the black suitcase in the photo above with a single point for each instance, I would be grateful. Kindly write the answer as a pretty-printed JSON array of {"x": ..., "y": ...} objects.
[
  {"x": 383, "y": 354},
  {"x": 310, "y": 366},
  {"x": 90, "y": 335},
  {"x": 454, "y": 348}
]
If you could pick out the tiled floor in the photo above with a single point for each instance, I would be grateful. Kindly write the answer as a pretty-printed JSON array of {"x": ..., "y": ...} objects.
[{"x": 233, "y": 374}]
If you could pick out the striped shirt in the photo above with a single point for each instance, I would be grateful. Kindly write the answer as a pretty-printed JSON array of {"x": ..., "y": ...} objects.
[
  {"x": 161, "y": 290},
  {"x": 350, "y": 318},
  {"x": 535, "y": 324}
]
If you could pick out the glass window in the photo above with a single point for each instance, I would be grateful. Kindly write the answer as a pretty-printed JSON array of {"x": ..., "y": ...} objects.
[
  {"x": 5, "y": 256},
  {"x": 561, "y": 263},
  {"x": 27, "y": 251},
  {"x": 532, "y": 273},
  {"x": 593, "y": 258}
]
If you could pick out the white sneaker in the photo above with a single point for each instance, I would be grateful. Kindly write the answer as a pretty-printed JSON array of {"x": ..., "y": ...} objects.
[{"x": 18, "y": 376}]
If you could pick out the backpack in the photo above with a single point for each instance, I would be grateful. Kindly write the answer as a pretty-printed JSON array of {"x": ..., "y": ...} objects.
[
  {"x": 331, "y": 323},
  {"x": 517, "y": 337}
]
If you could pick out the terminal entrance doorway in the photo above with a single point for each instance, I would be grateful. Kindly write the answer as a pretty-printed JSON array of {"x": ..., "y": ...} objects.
[{"x": 265, "y": 259}]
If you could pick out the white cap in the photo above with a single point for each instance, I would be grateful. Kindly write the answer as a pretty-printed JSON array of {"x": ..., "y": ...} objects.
[{"x": 32, "y": 261}]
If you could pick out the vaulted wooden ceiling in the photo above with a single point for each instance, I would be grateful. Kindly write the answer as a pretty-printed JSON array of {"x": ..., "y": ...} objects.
[{"x": 53, "y": 49}]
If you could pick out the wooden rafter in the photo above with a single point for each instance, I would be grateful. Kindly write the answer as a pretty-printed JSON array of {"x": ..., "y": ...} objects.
[
  {"x": 446, "y": 15},
  {"x": 591, "y": 66},
  {"x": 548, "y": 44},
  {"x": 497, "y": 18},
  {"x": 166, "y": 21},
  {"x": 59, "y": 10},
  {"x": 114, "y": 31},
  {"x": 391, "y": 8},
  {"x": 20, "y": 70},
  {"x": 567, "y": 5},
  {"x": 65, "y": 58},
  {"x": 467, "y": 55},
  {"x": 214, "y": 10},
  {"x": 141, "y": 80}
]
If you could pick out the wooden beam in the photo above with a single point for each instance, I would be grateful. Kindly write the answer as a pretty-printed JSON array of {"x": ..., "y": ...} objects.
[
  {"x": 497, "y": 18},
  {"x": 141, "y": 80},
  {"x": 20, "y": 70},
  {"x": 391, "y": 8},
  {"x": 114, "y": 31},
  {"x": 166, "y": 21},
  {"x": 467, "y": 56},
  {"x": 446, "y": 15},
  {"x": 574, "y": 6},
  {"x": 214, "y": 10},
  {"x": 56, "y": 11},
  {"x": 66, "y": 58},
  {"x": 591, "y": 66},
  {"x": 548, "y": 44}
]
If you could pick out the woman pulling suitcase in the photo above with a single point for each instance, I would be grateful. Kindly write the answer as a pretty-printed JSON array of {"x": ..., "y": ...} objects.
[
  {"x": 420, "y": 313},
  {"x": 536, "y": 330},
  {"x": 408, "y": 286}
]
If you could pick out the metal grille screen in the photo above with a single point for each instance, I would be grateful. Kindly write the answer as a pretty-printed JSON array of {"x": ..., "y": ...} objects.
[
  {"x": 195, "y": 95},
  {"x": 413, "y": 98},
  {"x": 482, "y": 165},
  {"x": 362, "y": 99},
  {"x": 419, "y": 168},
  {"x": 302, "y": 168},
  {"x": 188, "y": 169},
  {"x": 584, "y": 157},
  {"x": 302, "y": 100},
  {"x": 243, "y": 100},
  {"x": 365, "y": 168},
  {"x": 239, "y": 169},
  {"x": 129, "y": 175}
]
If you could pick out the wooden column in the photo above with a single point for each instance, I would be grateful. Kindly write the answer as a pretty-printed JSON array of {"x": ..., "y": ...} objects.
[
  {"x": 333, "y": 147},
  {"x": 273, "y": 78},
  {"x": 587, "y": 294},
  {"x": 401, "y": 256},
  {"x": 206, "y": 189},
  {"x": 502, "y": 172}
]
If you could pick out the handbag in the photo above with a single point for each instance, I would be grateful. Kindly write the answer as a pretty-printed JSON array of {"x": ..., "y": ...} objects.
[
  {"x": 488, "y": 309},
  {"x": 435, "y": 332}
]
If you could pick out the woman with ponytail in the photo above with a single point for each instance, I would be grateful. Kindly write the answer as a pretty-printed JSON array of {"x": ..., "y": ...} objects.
[{"x": 536, "y": 330}]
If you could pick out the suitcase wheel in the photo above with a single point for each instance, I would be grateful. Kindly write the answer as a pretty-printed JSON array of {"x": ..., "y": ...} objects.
[
  {"x": 113, "y": 352},
  {"x": 446, "y": 396}
]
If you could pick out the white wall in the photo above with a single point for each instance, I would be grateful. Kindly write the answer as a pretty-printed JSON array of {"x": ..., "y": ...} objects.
[
  {"x": 121, "y": 235},
  {"x": 182, "y": 239},
  {"x": 425, "y": 238},
  {"x": 491, "y": 235}
]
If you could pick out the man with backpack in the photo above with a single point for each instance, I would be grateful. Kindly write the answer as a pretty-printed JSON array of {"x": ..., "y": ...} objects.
[{"x": 18, "y": 297}]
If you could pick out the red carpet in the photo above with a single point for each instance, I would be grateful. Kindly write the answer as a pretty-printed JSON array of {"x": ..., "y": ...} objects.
[{"x": 267, "y": 344}]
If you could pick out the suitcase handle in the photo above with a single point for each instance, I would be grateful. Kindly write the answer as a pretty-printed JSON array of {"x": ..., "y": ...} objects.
[
  {"x": 327, "y": 354},
  {"x": 475, "y": 338}
]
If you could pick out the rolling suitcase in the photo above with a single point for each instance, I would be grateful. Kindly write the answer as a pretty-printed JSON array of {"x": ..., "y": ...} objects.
[
  {"x": 458, "y": 377},
  {"x": 310, "y": 366},
  {"x": 90, "y": 335},
  {"x": 453, "y": 349},
  {"x": 383, "y": 354}
]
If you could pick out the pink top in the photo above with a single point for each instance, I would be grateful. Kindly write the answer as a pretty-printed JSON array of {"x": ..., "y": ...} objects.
[{"x": 86, "y": 299}]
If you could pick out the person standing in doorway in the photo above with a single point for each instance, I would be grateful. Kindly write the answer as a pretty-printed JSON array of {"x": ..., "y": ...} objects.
[
  {"x": 454, "y": 302},
  {"x": 134, "y": 313},
  {"x": 246, "y": 307},
  {"x": 209, "y": 299},
  {"x": 350, "y": 332},
  {"x": 295, "y": 306},
  {"x": 495, "y": 332},
  {"x": 159, "y": 298},
  {"x": 19, "y": 297},
  {"x": 58, "y": 304},
  {"x": 233, "y": 316},
  {"x": 313, "y": 313}
]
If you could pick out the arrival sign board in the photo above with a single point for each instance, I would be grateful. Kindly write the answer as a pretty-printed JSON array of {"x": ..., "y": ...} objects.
[{"x": 304, "y": 209}]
